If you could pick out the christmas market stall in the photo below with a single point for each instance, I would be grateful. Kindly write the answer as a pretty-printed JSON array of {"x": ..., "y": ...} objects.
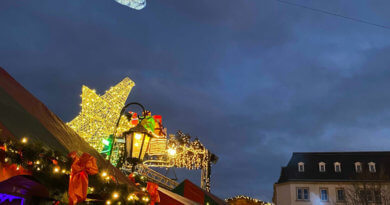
[
  {"x": 195, "y": 193},
  {"x": 38, "y": 149}
]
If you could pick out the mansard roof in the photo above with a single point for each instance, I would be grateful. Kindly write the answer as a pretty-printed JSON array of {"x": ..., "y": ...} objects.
[{"x": 347, "y": 160}]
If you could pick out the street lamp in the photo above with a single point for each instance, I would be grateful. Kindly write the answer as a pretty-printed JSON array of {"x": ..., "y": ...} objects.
[
  {"x": 136, "y": 139},
  {"x": 136, "y": 143}
]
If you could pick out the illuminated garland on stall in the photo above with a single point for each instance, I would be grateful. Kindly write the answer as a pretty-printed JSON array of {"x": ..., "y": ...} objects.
[
  {"x": 187, "y": 154},
  {"x": 247, "y": 199},
  {"x": 52, "y": 169}
]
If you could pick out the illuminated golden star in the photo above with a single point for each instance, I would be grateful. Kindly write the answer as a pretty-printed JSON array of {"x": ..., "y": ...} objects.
[{"x": 99, "y": 114}]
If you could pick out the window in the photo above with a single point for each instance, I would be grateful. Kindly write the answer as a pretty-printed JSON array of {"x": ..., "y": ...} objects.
[
  {"x": 322, "y": 166},
  {"x": 371, "y": 167},
  {"x": 303, "y": 194},
  {"x": 324, "y": 194},
  {"x": 377, "y": 195},
  {"x": 301, "y": 167},
  {"x": 337, "y": 167},
  {"x": 340, "y": 195},
  {"x": 358, "y": 167}
]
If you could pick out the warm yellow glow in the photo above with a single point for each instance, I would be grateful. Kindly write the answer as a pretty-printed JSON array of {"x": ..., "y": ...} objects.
[
  {"x": 137, "y": 136},
  {"x": 132, "y": 197},
  {"x": 63, "y": 171},
  {"x": 108, "y": 202},
  {"x": 99, "y": 114},
  {"x": 6, "y": 160},
  {"x": 17, "y": 168},
  {"x": 115, "y": 195},
  {"x": 104, "y": 174},
  {"x": 38, "y": 168},
  {"x": 146, "y": 199},
  {"x": 56, "y": 170},
  {"x": 37, "y": 162},
  {"x": 143, "y": 189},
  {"x": 92, "y": 189},
  {"x": 172, "y": 152},
  {"x": 24, "y": 140},
  {"x": 136, "y": 144}
]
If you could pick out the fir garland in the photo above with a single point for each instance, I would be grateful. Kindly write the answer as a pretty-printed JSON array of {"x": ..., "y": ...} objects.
[{"x": 52, "y": 169}]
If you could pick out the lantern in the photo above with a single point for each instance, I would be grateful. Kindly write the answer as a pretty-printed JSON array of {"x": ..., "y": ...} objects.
[{"x": 137, "y": 142}]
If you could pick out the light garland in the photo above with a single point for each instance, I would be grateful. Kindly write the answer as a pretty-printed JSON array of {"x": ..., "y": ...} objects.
[
  {"x": 247, "y": 198},
  {"x": 54, "y": 169},
  {"x": 188, "y": 154},
  {"x": 99, "y": 114}
]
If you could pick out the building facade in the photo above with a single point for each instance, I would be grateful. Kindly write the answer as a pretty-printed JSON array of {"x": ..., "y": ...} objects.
[{"x": 334, "y": 178}]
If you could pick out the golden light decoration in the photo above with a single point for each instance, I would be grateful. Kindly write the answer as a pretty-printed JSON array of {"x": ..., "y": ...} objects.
[
  {"x": 99, "y": 114},
  {"x": 115, "y": 195},
  {"x": 24, "y": 140}
]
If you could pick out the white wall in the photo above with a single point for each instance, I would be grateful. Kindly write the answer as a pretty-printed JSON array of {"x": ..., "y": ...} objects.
[{"x": 286, "y": 192}]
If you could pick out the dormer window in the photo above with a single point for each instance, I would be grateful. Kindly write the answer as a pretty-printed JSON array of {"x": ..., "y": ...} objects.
[
  {"x": 358, "y": 167},
  {"x": 337, "y": 167},
  {"x": 301, "y": 167},
  {"x": 321, "y": 166},
  {"x": 371, "y": 167}
]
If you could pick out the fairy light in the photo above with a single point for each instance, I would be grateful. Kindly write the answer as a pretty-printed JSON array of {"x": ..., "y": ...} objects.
[
  {"x": 56, "y": 170},
  {"x": 24, "y": 140},
  {"x": 108, "y": 202},
  {"x": 247, "y": 198},
  {"x": 104, "y": 174},
  {"x": 115, "y": 195},
  {"x": 37, "y": 162},
  {"x": 131, "y": 197},
  {"x": 63, "y": 171},
  {"x": 99, "y": 114},
  {"x": 143, "y": 189},
  {"x": 6, "y": 160},
  {"x": 146, "y": 199},
  {"x": 172, "y": 152}
]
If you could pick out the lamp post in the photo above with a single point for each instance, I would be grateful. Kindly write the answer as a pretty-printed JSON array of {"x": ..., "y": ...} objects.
[{"x": 136, "y": 140}]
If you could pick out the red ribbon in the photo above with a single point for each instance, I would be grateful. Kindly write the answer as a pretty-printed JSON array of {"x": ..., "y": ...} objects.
[
  {"x": 153, "y": 191},
  {"x": 78, "y": 180}
]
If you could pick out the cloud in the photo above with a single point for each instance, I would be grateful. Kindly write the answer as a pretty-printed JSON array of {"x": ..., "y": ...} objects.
[{"x": 254, "y": 80}]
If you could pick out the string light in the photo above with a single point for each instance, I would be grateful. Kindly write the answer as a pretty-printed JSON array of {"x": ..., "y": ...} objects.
[
  {"x": 24, "y": 140},
  {"x": 63, "y": 171},
  {"x": 108, "y": 202},
  {"x": 172, "y": 151},
  {"x": 250, "y": 199},
  {"x": 104, "y": 174},
  {"x": 146, "y": 199},
  {"x": 115, "y": 195},
  {"x": 56, "y": 169},
  {"x": 99, "y": 114}
]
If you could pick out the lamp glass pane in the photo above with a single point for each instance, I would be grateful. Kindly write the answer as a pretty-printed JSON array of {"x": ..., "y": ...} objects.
[{"x": 146, "y": 144}]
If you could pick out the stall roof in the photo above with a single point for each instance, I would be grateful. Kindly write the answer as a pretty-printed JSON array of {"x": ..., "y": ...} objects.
[{"x": 23, "y": 115}]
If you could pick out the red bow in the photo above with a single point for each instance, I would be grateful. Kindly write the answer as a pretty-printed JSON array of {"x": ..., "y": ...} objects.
[
  {"x": 153, "y": 191},
  {"x": 78, "y": 180}
]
